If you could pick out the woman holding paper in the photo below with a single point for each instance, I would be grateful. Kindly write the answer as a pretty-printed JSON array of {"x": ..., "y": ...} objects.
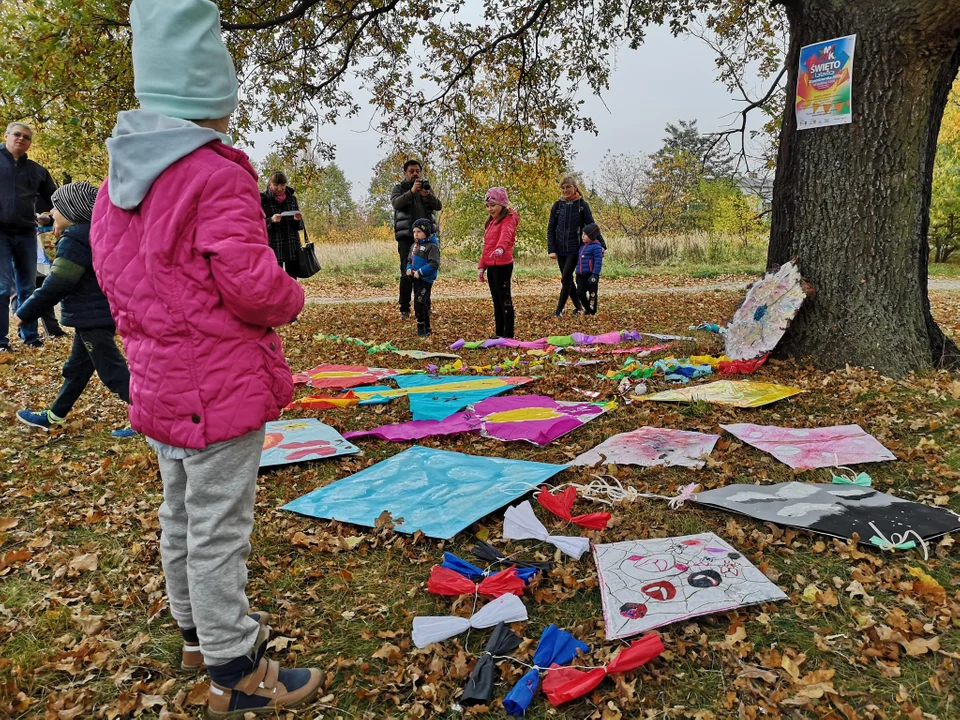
[{"x": 284, "y": 221}]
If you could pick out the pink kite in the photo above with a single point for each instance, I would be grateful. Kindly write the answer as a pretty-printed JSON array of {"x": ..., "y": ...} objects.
[
  {"x": 650, "y": 446},
  {"x": 534, "y": 418},
  {"x": 807, "y": 449},
  {"x": 341, "y": 377}
]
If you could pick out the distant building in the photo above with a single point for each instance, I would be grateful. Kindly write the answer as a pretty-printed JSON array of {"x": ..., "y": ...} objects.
[{"x": 758, "y": 188}]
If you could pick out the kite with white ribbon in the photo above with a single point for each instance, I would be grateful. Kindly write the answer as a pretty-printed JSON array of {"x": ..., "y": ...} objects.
[
  {"x": 430, "y": 629},
  {"x": 520, "y": 523}
]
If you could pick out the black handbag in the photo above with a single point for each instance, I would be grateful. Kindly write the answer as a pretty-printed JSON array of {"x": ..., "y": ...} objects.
[{"x": 307, "y": 263}]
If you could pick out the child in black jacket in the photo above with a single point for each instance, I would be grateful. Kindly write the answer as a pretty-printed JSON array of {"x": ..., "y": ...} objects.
[{"x": 84, "y": 307}]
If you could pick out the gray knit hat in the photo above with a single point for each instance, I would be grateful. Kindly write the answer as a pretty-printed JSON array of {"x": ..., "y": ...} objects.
[{"x": 75, "y": 202}]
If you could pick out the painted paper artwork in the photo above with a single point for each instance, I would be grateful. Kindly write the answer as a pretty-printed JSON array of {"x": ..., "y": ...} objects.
[
  {"x": 738, "y": 393},
  {"x": 825, "y": 83},
  {"x": 426, "y": 354},
  {"x": 650, "y": 446},
  {"x": 290, "y": 441},
  {"x": 645, "y": 584},
  {"x": 762, "y": 319},
  {"x": 435, "y": 491},
  {"x": 436, "y": 398},
  {"x": 835, "y": 510},
  {"x": 534, "y": 418},
  {"x": 809, "y": 448},
  {"x": 341, "y": 377}
]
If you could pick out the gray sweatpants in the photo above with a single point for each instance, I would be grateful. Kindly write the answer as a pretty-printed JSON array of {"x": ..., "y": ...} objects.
[{"x": 206, "y": 519}]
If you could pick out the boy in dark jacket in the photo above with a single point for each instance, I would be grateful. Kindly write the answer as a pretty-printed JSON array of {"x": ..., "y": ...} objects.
[
  {"x": 423, "y": 265},
  {"x": 83, "y": 306},
  {"x": 589, "y": 264}
]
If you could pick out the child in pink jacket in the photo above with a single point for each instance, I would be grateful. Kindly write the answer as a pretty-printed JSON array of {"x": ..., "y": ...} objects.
[
  {"x": 180, "y": 249},
  {"x": 496, "y": 260}
]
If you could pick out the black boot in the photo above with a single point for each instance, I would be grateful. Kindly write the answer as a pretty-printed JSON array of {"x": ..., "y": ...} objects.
[{"x": 422, "y": 329}]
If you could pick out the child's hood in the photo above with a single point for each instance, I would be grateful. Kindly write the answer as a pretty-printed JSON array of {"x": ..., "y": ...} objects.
[
  {"x": 433, "y": 239},
  {"x": 143, "y": 145}
]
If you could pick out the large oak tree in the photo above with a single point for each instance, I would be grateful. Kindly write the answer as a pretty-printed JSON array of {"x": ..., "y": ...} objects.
[{"x": 852, "y": 202}]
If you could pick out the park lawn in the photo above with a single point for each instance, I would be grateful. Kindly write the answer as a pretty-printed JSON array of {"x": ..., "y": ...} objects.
[{"x": 84, "y": 629}]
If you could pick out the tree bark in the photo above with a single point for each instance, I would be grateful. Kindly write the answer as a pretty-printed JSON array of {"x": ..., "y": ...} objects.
[{"x": 852, "y": 201}]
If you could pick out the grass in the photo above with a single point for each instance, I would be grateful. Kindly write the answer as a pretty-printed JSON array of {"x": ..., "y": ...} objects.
[{"x": 337, "y": 607}]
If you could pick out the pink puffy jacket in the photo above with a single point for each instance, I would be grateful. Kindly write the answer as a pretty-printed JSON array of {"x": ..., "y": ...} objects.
[
  {"x": 499, "y": 236},
  {"x": 195, "y": 290}
]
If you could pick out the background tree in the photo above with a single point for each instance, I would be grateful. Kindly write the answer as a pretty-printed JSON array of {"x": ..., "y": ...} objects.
[{"x": 945, "y": 200}]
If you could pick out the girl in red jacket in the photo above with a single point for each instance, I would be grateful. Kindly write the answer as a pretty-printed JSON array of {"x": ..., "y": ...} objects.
[{"x": 499, "y": 237}]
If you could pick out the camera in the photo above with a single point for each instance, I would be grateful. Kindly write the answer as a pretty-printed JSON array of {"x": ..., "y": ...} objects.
[{"x": 424, "y": 184}]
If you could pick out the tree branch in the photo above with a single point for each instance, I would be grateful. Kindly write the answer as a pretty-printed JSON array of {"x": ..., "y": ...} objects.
[{"x": 298, "y": 11}]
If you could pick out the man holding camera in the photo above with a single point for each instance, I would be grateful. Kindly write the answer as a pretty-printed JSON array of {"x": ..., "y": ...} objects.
[{"x": 412, "y": 199}]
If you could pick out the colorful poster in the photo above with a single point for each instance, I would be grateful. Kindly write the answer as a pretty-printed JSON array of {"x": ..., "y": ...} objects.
[
  {"x": 825, "y": 83},
  {"x": 435, "y": 491},
  {"x": 809, "y": 448},
  {"x": 645, "y": 584},
  {"x": 650, "y": 446},
  {"x": 739, "y": 393},
  {"x": 290, "y": 441},
  {"x": 342, "y": 376}
]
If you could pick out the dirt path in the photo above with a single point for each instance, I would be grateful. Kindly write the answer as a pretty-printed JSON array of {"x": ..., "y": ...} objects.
[{"x": 539, "y": 288}]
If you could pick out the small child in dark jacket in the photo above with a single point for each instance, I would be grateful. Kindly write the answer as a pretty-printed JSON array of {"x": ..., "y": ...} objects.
[
  {"x": 423, "y": 265},
  {"x": 589, "y": 264},
  {"x": 84, "y": 307}
]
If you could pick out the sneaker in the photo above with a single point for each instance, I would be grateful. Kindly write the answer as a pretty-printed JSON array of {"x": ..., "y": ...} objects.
[
  {"x": 191, "y": 660},
  {"x": 124, "y": 433},
  {"x": 42, "y": 420},
  {"x": 558, "y": 313},
  {"x": 578, "y": 311},
  {"x": 261, "y": 691},
  {"x": 35, "y": 344},
  {"x": 5, "y": 349},
  {"x": 405, "y": 314}
]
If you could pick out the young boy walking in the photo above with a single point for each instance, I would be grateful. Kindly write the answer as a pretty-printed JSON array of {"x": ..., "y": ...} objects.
[
  {"x": 180, "y": 246},
  {"x": 84, "y": 307},
  {"x": 423, "y": 265},
  {"x": 589, "y": 263}
]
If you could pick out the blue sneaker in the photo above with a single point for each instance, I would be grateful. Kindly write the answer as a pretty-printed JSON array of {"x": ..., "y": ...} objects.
[
  {"x": 124, "y": 433},
  {"x": 43, "y": 420}
]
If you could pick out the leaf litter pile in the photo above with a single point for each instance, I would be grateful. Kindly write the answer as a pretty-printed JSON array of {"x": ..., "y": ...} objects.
[{"x": 84, "y": 626}]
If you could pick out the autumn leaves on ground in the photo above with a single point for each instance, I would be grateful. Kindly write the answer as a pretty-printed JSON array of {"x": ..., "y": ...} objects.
[{"x": 85, "y": 631}]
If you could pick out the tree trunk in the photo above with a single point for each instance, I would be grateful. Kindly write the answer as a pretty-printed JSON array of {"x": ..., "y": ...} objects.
[{"x": 852, "y": 201}]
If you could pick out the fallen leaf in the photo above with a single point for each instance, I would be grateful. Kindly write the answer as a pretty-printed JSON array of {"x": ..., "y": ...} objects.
[
  {"x": 87, "y": 561},
  {"x": 8, "y": 523}
]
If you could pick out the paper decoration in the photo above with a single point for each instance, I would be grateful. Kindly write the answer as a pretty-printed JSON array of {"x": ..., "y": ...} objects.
[
  {"x": 436, "y": 398},
  {"x": 556, "y": 647},
  {"x": 479, "y": 687},
  {"x": 835, "y": 510},
  {"x": 319, "y": 402},
  {"x": 738, "y": 393},
  {"x": 762, "y": 319},
  {"x": 645, "y": 584},
  {"x": 563, "y": 684},
  {"x": 487, "y": 552},
  {"x": 291, "y": 441},
  {"x": 341, "y": 377},
  {"x": 431, "y": 629},
  {"x": 803, "y": 448},
  {"x": 434, "y": 491},
  {"x": 649, "y": 446},
  {"x": 444, "y": 581},
  {"x": 825, "y": 83},
  {"x": 563, "y": 341},
  {"x": 561, "y": 505},
  {"x": 534, "y": 418},
  {"x": 519, "y": 523},
  {"x": 426, "y": 354}
]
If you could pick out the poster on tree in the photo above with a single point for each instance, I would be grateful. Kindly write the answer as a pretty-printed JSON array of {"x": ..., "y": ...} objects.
[{"x": 825, "y": 83}]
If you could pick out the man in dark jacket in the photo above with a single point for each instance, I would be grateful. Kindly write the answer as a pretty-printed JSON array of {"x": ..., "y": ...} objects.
[
  {"x": 25, "y": 188},
  {"x": 83, "y": 306},
  {"x": 411, "y": 201}
]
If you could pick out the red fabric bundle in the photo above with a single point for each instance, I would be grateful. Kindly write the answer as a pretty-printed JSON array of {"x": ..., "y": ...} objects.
[
  {"x": 563, "y": 684},
  {"x": 741, "y": 367},
  {"x": 561, "y": 505},
  {"x": 444, "y": 581}
]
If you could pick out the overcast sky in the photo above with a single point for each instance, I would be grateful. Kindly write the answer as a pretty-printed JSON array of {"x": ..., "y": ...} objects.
[{"x": 666, "y": 80}]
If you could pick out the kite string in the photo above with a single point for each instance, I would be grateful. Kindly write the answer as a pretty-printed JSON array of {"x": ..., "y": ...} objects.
[
  {"x": 540, "y": 668},
  {"x": 602, "y": 491}
]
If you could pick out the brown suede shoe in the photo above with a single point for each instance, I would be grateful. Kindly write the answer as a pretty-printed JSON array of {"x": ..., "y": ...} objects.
[
  {"x": 192, "y": 661},
  {"x": 264, "y": 691}
]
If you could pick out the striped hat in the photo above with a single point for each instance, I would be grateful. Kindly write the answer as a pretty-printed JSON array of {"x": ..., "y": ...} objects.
[{"x": 75, "y": 202}]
